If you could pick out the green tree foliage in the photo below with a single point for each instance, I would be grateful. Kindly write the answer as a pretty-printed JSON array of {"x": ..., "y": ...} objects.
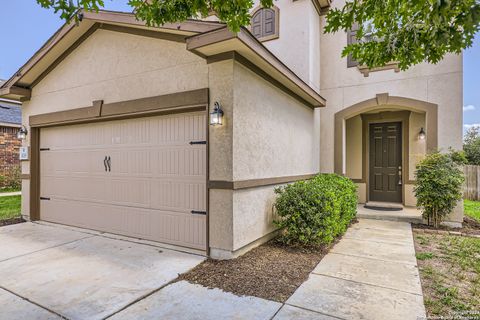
[
  {"x": 316, "y": 211},
  {"x": 405, "y": 31},
  {"x": 471, "y": 145},
  {"x": 438, "y": 185}
]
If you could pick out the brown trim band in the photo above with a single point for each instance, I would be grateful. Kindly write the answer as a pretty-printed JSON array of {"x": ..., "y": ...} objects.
[
  {"x": 169, "y": 103},
  {"x": 199, "y": 43},
  {"x": 25, "y": 176},
  {"x": 35, "y": 174},
  {"x": 233, "y": 55},
  {"x": 254, "y": 183}
]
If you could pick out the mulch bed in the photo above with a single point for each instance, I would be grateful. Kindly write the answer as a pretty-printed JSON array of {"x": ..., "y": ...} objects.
[
  {"x": 10, "y": 221},
  {"x": 470, "y": 227},
  {"x": 271, "y": 271}
]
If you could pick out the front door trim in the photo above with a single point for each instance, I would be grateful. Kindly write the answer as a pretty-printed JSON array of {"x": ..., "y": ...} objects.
[
  {"x": 382, "y": 117},
  {"x": 387, "y": 192}
]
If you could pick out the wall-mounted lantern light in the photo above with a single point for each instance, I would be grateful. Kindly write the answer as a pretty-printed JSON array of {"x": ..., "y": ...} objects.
[
  {"x": 421, "y": 134},
  {"x": 216, "y": 116},
  {"x": 22, "y": 133}
]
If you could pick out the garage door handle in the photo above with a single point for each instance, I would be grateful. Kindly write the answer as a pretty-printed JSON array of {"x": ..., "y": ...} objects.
[
  {"x": 105, "y": 163},
  {"x": 109, "y": 162},
  {"x": 204, "y": 213}
]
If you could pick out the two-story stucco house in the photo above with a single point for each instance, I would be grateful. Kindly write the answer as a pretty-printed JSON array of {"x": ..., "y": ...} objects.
[{"x": 124, "y": 133}]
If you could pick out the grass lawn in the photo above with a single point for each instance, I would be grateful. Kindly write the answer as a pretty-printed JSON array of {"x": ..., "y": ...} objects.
[
  {"x": 10, "y": 207},
  {"x": 9, "y": 190},
  {"x": 472, "y": 209},
  {"x": 450, "y": 274}
]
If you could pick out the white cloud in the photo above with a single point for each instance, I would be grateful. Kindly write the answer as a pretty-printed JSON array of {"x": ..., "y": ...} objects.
[
  {"x": 468, "y": 126},
  {"x": 469, "y": 107}
]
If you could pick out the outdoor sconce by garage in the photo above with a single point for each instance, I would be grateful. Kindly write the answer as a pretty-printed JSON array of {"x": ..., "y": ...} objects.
[
  {"x": 421, "y": 134},
  {"x": 22, "y": 133},
  {"x": 216, "y": 116}
]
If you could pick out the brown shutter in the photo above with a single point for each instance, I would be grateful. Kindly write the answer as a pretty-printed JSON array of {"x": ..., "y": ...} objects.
[
  {"x": 352, "y": 38},
  {"x": 257, "y": 24},
  {"x": 268, "y": 22}
]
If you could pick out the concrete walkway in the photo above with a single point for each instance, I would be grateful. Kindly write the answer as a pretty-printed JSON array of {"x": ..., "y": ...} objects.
[
  {"x": 370, "y": 274},
  {"x": 53, "y": 272},
  {"x": 9, "y": 194}
]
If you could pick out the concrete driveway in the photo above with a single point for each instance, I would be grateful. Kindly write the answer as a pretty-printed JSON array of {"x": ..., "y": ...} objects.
[{"x": 51, "y": 272}]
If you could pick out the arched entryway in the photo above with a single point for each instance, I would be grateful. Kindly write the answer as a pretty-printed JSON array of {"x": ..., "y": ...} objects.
[{"x": 378, "y": 143}]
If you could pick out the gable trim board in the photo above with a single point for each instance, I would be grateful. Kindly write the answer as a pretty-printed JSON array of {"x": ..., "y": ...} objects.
[
  {"x": 223, "y": 40},
  {"x": 233, "y": 55},
  {"x": 164, "y": 104}
]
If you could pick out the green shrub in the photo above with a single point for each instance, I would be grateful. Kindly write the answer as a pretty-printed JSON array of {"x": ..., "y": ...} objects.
[
  {"x": 10, "y": 180},
  {"x": 316, "y": 211},
  {"x": 438, "y": 186}
]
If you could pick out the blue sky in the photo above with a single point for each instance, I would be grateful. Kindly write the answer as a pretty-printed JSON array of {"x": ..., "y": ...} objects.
[{"x": 26, "y": 26}]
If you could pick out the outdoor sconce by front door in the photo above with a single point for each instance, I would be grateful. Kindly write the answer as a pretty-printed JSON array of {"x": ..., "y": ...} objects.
[
  {"x": 216, "y": 116},
  {"x": 421, "y": 134}
]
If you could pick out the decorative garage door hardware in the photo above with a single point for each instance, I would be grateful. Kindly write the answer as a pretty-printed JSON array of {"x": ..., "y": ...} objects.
[
  {"x": 107, "y": 162},
  {"x": 44, "y": 198},
  {"x": 44, "y": 149},
  {"x": 198, "y": 142},
  {"x": 203, "y": 213}
]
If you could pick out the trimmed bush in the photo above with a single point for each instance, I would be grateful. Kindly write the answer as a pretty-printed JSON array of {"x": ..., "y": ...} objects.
[
  {"x": 315, "y": 212},
  {"x": 438, "y": 185},
  {"x": 10, "y": 180}
]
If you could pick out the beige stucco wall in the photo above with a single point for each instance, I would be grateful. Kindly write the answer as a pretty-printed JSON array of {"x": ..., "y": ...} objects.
[
  {"x": 353, "y": 149},
  {"x": 273, "y": 136},
  {"x": 343, "y": 87},
  {"x": 298, "y": 45}
]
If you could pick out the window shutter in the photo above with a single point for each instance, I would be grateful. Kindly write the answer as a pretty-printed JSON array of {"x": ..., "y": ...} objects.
[
  {"x": 352, "y": 38},
  {"x": 269, "y": 22},
  {"x": 264, "y": 23},
  {"x": 257, "y": 24}
]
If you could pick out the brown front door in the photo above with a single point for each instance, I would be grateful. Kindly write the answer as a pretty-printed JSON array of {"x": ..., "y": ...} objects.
[{"x": 386, "y": 162}]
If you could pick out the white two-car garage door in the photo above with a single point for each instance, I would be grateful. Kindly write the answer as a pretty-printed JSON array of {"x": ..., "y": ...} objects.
[{"x": 144, "y": 177}]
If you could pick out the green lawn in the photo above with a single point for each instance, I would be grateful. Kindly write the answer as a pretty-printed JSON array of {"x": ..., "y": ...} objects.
[
  {"x": 10, "y": 207},
  {"x": 450, "y": 274},
  {"x": 472, "y": 209}
]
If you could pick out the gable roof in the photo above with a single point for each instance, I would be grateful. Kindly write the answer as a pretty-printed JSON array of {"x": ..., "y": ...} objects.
[{"x": 195, "y": 33}]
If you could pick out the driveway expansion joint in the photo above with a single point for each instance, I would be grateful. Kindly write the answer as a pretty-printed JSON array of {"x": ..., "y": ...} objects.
[
  {"x": 34, "y": 303},
  {"x": 48, "y": 248},
  {"x": 314, "y": 311},
  {"x": 366, "y": 283}
]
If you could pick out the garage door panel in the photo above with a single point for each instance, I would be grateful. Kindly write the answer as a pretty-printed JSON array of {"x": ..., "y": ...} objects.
[
  {"x": 76, "y": 188},
  {"x": 155, "y": 180},
  {"x": 180, "y": 229}
]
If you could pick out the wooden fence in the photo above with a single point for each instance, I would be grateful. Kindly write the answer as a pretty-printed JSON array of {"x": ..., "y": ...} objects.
[{"x": 472, "y": 183}]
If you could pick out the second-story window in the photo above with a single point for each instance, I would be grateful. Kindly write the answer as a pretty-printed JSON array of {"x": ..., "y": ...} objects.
[
  {"x": 264, "y": 24},
  {"x": 352, "y": 38}
]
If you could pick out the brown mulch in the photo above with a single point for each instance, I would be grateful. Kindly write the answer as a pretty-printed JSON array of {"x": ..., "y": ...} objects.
[
  {"x": 271, "y": 271},
  {"x": 470, "y": 227},
  {"x": 10, "y": 221}
]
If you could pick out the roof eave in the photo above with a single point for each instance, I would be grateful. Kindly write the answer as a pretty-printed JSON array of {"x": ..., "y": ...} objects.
[
  {"x": 15, "y": 93},
  {"x": 223, "y": 40}
]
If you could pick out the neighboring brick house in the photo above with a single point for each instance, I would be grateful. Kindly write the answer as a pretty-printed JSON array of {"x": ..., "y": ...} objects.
[{"x": 10, "y": 123}]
